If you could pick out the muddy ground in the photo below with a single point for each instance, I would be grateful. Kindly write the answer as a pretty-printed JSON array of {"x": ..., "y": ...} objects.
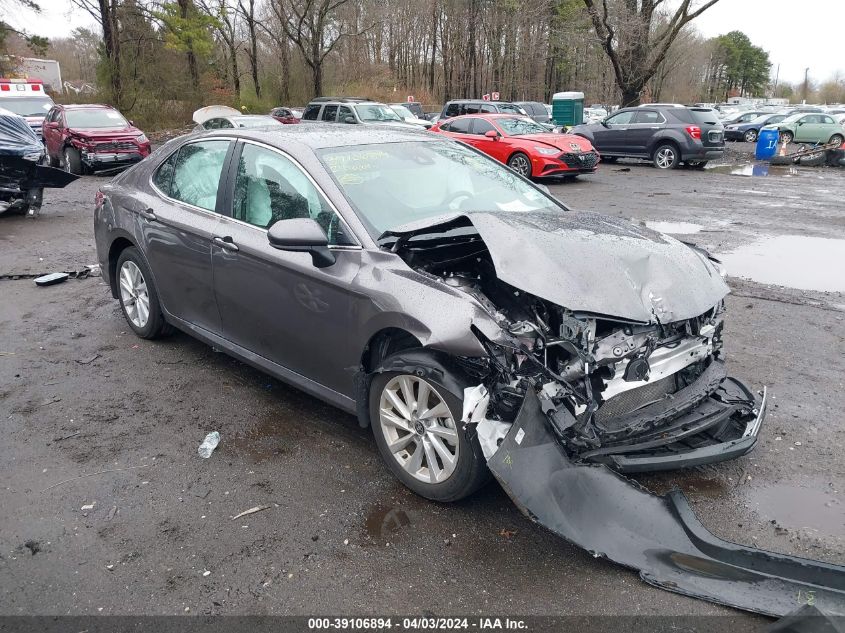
[{"x": 108, "y": 509}]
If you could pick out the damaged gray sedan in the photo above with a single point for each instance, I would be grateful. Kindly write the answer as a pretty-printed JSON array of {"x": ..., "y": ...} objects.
[{"x": 459, "y": 310}]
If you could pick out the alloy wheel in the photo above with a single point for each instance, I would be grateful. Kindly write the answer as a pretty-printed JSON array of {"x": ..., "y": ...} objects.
[
  {"x": 134, "y": 294},
  {"x": 751, "y": 136},
  {"x": 419, "y": 428},
  {"x": 665, "y": 157},
  {"x": 520, "y": 165}
]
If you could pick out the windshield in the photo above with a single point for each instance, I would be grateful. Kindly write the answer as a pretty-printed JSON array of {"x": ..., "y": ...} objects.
[
  {"x": 376, "y": 112},
  {"x": 28, "y": 106},
  {"x": 520, "y": 127},
  {"x": 404, "y": 112},
  {"x": 95, "y": 117},
  {"x": 509, "y": 108},
  {"x": 382, "y": 181},
  {"x": 794, "y": 117}
]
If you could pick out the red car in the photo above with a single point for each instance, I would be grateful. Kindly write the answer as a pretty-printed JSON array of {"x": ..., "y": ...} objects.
[
  {"x": 284, "y": 115},
  {"x": 523, "y": 145},
  {"x": 84, "y": 138}
]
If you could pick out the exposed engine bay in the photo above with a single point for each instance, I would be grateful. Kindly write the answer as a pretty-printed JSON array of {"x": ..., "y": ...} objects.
[{"x": 634, "y": 395}]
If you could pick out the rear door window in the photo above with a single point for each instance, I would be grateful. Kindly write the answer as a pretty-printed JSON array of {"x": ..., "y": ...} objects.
[
  {"x": 196, "y": 173},
  {"x": 649, "y": 117},
  {"x": 311, "y": 112},
  {"x": 460, "y": 126},
  {"x": 329, "y": 113}
]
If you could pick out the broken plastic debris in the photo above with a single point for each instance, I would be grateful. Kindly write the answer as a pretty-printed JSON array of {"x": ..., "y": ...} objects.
[
  {"x": 250, "y": 511},
  {"x": 490, "y": 435},
  {"x": 51, "y": 279},
  {"x": 476, "y": 400},
  {"x": 88, "y": 506},
  {"x": 209, "y": 444}
]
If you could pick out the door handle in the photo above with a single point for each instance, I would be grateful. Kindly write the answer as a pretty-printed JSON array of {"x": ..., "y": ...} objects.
[
  {"x": 148, "y": 214},
  {"x": 226, "y": 243}
]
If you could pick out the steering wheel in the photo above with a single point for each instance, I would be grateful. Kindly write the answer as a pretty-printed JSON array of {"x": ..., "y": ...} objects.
[{"x": 450, "y": 199}]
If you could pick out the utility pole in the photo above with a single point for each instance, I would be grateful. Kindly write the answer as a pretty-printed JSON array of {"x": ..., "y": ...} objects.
[
  {"x": 805, "y": 88},
  {"x": 777, "y": 76}
]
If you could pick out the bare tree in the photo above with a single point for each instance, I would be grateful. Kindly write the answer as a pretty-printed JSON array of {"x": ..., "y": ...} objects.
[
  {"x": 315, "y": 28},
  {"x": 248, "y": 12},
  {"x": 633, "y": 44},
  {"x": 105, "y": 13}
]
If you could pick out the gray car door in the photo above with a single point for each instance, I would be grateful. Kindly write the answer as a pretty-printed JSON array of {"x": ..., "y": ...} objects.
[
  {"x": 646, "y": 124},
  {"x": 274, "y": 303},
  {"x": 609, "y": 136},
  {"x": 177, "y": 226}
]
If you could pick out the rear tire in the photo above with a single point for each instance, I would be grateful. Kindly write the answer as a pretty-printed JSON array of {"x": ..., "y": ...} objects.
[
  {"x": 786, "y": 137},
  {"x": 521, "y": 164},
  {"x": 72, "y": 161},
  {"x": 416, "y": 438},
  {"x": 666, "y": 156},
  {"x": 138, "y": 296},
  {"x": 837, "y": 139}
]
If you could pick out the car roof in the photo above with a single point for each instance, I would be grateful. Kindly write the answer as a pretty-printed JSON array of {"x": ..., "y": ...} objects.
[
  {"x": 491, "y": 115},
  {"x": 85, "y": 106},
  {"x": 477, "y": 101},
  {"x": 325, "y": 135}
]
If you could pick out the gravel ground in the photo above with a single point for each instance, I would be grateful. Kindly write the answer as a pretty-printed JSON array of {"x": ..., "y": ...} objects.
[{"x": 107, "y": 508}]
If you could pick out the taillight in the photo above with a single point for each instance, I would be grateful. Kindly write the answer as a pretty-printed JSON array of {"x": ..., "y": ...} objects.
[
  {"x": 99, "y": 199},
  {"x": 695, "y": 132},
  {"x": 35, "y": 87},
  {"x": 5, "y": 87}
]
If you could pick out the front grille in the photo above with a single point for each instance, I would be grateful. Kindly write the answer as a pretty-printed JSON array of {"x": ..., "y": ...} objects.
[
  {"x": 113, "y": 146},
  {"x": 587, "y": 160},
  {"x": 629, "y": 401}
]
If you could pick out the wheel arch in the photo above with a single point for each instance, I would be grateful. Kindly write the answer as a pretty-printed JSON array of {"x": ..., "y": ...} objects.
[
  {"x": 665, "y": 140},
  {"x": 519, "y": 150},
  {"x": 119, "y": 244}
]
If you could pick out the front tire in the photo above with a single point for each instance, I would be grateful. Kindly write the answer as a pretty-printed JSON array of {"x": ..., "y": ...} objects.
[
  {"x": 521, "y": 164},
  {"x": 417, "y": 427},
  {"x": 751, "y": 136},
  {"x": 837, "y": 139},
  {"x": 666, "y": 156},
  {"x": 138, "y": 297}
]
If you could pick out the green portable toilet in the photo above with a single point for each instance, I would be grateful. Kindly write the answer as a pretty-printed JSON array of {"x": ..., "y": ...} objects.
[{"x": 568, "y": 108}]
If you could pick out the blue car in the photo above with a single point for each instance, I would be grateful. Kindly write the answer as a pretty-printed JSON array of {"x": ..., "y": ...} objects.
[{"x": 749, "y": 130}]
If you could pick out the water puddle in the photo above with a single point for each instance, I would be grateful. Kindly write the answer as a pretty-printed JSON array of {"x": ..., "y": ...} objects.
[
  {"x": 675, "y": 228},
  {"x": 383, "y": 522},
  {"x": 807, "y": 263},
  {"x": 754, "y": 169},
  {"x": 818, "y": 509}
]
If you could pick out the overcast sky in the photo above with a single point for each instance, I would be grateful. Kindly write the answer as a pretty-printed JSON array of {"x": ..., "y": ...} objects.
[{"x": 796, "y": 34}]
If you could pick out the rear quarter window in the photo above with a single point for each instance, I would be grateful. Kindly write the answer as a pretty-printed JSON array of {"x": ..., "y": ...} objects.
[{"x": 704, "y": 116}]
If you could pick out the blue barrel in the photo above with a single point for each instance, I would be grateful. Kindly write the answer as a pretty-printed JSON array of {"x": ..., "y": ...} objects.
[{"x": 767, "y": 144}]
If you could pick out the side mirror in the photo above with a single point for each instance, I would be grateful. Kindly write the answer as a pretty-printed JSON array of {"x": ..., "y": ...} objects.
[
  {"x": 302, "y": 235},
  {"x": 605, "y": 123},
  {"x": 131, "y": 122},
  {"x": 349, "y": 119},
  {"x": 492, "y": 134}
]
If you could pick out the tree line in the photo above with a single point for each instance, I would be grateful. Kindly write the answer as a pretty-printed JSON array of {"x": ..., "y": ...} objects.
[{"x": 150, "y": 53}]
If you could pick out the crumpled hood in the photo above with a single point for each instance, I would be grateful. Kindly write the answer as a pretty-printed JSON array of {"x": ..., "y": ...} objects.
[{"x": 589, "y": 262}]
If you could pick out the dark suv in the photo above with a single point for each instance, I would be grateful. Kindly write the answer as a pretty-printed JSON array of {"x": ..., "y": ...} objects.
[
  {"x": 460, "y": 107},
  {"x": 665, "y": 135},
  {"x": 350, "y": 110}
]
